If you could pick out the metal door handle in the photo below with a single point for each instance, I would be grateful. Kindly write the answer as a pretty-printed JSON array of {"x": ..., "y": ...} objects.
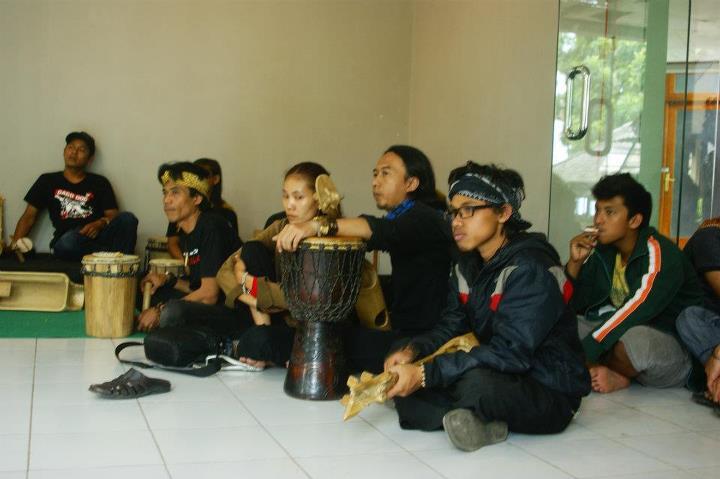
[{"x": 583, "y": 71}]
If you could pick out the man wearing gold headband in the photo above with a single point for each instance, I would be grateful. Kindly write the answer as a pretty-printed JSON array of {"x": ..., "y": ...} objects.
[{"x": 205, "y": 242}]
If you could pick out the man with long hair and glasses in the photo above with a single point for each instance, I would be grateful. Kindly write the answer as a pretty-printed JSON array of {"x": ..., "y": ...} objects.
[{"x": 417, "y": 239}]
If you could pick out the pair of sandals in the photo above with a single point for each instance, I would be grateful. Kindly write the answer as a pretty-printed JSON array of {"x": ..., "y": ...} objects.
[{"x": 703, "y": 400}]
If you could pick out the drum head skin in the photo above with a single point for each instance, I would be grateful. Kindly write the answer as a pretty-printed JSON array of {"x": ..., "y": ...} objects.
[{"x": 105, "y": 257}]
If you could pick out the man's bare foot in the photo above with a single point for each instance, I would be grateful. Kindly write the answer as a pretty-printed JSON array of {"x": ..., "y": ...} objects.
[
  {"x": 605, "y": 380},
  {"x": 252, "y": 362}
]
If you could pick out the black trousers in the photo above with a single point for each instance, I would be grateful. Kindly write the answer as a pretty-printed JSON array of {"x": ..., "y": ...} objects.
[
  {"x": 366, "y": 349},
  {"x": 523, "y": 403},
  {"x": 221, "y": 319},
  {"x": 268, "y": 343},
  {"x": 263, "y": 343}
]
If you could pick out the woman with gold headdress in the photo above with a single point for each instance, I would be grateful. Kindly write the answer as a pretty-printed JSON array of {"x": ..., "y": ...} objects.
[{"x": 250, "y": 280}]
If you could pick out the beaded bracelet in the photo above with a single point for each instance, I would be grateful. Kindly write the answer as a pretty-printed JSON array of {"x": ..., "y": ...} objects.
[{"x": 422, "y": 381}]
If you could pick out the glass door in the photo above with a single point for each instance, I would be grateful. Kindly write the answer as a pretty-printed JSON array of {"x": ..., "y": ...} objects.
[
  {"x": 609, "y": 108},
  {"x": 690, "y": 174}
]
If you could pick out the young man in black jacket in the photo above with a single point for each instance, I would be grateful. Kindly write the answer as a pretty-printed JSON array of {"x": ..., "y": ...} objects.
[
  {"x": 416, "y": 236},
  {"x": 508, "y": 288}
]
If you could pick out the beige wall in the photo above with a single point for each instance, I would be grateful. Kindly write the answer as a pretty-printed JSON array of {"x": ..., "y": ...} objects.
[
  {"x": 262, "y": 85},
  {"x": 257, "y": 85},
  {"x": 483, "y": 77}
]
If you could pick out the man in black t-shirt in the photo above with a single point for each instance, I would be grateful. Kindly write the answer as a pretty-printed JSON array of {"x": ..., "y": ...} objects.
[
  {"x": 699, "y": 326},
  {"x": 205, "y": 241},
  {"x": 82, "y": 206}
]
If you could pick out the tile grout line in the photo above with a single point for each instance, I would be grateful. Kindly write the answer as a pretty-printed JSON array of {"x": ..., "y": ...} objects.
[
  {"x": 264, "y": 428},
  {"x": 152, "y": 434},
  {"x": 32, "y": 401},
  {"x": 554, "y": 466},
  {"x": 411, "y": 453}
]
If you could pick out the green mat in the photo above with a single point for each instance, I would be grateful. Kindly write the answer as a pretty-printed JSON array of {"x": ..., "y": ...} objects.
[{"x": 34, "y": 324}]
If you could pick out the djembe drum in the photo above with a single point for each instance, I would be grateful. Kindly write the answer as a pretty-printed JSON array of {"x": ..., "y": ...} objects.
[
  {"x": 320, "y": 282},
  {"x": 110, "y": 283}
]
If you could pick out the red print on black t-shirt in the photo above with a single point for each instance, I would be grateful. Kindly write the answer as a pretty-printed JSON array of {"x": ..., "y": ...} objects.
[
  {"x": 193, "y": 257},
  {"x": 73, "y": 205}
]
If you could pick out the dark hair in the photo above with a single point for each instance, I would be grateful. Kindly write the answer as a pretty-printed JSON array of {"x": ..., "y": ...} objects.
[
  {"x": 85, "y": 137},
  {"x": 214, "y": 168},
  {"x": 175, "y": 170},
  {"x": 418, "y": 165},
  {"x": 504, "y": 178},
  {"x": 308, "y": 170},
  {"x": 634, "y": 195}
]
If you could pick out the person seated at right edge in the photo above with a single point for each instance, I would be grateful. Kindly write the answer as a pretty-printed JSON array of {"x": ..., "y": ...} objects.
[
  {"x": 527, "y": 374},
  {"x": 630, "y": 283},
  {"x": 205, "y": 241},
  {"x": 699, "y": 326},
  {"x": 81, "y": 205},
  {"x": 417, "y": 237},
  {"x": 217, "y": 206},
  {"x": 251, "y": 281}
]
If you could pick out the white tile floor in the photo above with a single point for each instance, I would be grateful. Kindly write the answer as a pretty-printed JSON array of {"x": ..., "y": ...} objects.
[{"x": 243, "y": 425}]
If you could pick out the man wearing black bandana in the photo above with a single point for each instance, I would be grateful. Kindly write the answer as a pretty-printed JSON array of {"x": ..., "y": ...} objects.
[
  {"x": 418, "y": 240},
  {"x": 508, "y": 288}
]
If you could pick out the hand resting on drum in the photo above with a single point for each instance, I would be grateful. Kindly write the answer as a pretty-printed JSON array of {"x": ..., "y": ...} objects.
[{"x": 292, "y": 234}]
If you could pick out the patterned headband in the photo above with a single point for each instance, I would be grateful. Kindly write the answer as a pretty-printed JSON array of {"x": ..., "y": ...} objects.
[
  {"x": 191, "y": 180},
  {"x": 482, "y": 188}
]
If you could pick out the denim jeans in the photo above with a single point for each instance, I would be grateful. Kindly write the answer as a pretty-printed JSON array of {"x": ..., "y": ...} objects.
[
  {"x": 699, "y": 329},
  {"x": 119, "y": 235}
]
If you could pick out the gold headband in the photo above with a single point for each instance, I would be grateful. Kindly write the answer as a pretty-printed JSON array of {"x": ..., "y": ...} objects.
[{"x": 191, "y": 180}]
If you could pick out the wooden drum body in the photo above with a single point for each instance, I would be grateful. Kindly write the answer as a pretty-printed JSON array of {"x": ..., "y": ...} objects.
[
  {"x": 320, "y": 282},
  {"x": 110, "y": 284}
]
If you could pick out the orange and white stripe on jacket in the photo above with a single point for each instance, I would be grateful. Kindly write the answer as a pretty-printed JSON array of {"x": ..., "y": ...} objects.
[{"x": 646, "y": 284}]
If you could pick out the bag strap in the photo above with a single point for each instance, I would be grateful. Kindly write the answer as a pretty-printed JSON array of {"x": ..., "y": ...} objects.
[{"x": 213, "y": 364}]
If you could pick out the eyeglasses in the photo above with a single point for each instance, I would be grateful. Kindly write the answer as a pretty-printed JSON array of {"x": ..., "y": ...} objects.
[{"x": 465, "y": 212}]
